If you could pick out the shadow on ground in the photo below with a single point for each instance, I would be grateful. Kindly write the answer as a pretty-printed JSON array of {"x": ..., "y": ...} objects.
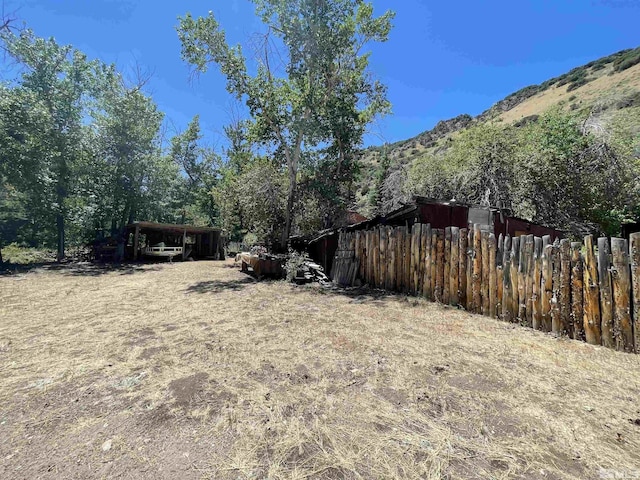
[
  {"x": 80, "y": 269},
  {"x": 218, "y": 286}
]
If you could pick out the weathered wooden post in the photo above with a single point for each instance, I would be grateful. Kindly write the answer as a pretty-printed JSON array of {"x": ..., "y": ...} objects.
[
  {"x": 515, "y": 266},
  {"x": 439, "y": 265},
  {"x": 384, "y": 243},
  {"x": 447, "y": 265},
  {"x": 477, "y": 269},
  {"x": 427, "y": 291},
  {"x": 499, "y": 275},
  {"x": 634, "y": 248},
  {"x": 537, "y": 281},
  {"x": 421, "y": 256},
  {"x": 416, "y": 233},
  {"x": 484, "y": 276},
  {"x": 546, "y": 283},
  {"x": 606, "y": 293},
  {"x": 507, "y": 301},
  {"x": 528, "y": 280},
  {"x": 621, "y": 295},
  {"x": 493, "y": 293},
  {"x": 462, "y": 267},
  {"x": 470, "y": 256},
  {"x": 591, "y": 294},
  {"x": 522, "y": 280},
  {"x": 577, "y": 312},
  {"x": 454, "y": 267},
  {"x": 407, "y": 260},
  {"x": 434, "y": 262},
  {"x": 136, "y": 242},
  {"x": 565, "y": 286}
]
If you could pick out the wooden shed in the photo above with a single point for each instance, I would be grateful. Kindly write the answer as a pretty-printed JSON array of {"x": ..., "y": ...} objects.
[{"x": 173, "y": 240}]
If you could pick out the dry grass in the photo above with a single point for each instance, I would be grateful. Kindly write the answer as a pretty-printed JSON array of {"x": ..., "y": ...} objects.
[
  {"x": 606, "y": 88},
  {"x": 194, "y": 370}
]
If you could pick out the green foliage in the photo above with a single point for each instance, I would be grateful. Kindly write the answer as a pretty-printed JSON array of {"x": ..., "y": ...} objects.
[
  {"x": 310, "y": 114},
  {"x": 548, "y": 171},
  {"x": 294, "y": 262}
]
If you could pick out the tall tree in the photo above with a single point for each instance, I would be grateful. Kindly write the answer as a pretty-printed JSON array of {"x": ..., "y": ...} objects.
[
  {"x": 55, "y": 86},
  {"x": 323, "y": 97}
]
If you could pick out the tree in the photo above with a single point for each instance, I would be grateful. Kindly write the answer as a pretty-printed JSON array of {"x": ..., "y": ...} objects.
[
  {"x": 324, "y": 96},
  {"x": 51, "y": 99},
  {"x": 199, "y": 165}
]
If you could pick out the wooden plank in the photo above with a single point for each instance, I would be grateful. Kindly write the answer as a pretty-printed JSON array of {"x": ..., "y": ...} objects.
[
  {"x": 376, "y": 257},
  {"x": 536, "y": 314},
  {"x": 462, "y": 266},
  {"x": 454, "y": 267},
  {"x": 591, "y": 294},
  {"x": 565, "y": 287},
  {"x": 515, "y": 264},
  {"x": 398, "y": 261},
  {"x": 634, "y": 253},
  {"x": 407, "y": 260},
  {"x": 447, "y": 265},
  {"x": 528, "y": 279},
  {"x": 522, "y": 268},
  {"x": 507, "y": 302},
  {"x": 434, "y": 261},
  {"x": 439, "y": 287},
  {"x": 420, "y": 259},
  {"x": 470, "y": 256},
  {"x": 484, "y": 282},
  {"x": 390, "y": 260},
  {"x": 577, "y": 312},
  {"x": 477, "y": 269},
  {"x": 499, "y": 275},
  {"x": 426, "y": 282},
  {"x": 606, "y": 293},
  {"x": 416, "y": 233},
  {"x": 621, "y": 277},
  {"x": 384, "y": 254},
  {"x": 493, "y": 292},
  {"x": 556, "y": 322},
  {"x": 546, "y": 287}
]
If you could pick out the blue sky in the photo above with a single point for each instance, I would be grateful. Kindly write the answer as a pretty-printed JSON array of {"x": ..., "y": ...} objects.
[{"x": 443, "y": 58}]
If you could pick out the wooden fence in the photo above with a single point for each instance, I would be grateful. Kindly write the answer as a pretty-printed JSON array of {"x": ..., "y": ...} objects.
[{"x": 590, "y": 292}]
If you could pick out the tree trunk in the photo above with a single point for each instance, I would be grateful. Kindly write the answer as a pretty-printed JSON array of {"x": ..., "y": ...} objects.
[
  {"x": 293, "y": 174},
  {"x": 60, "y": 229}
]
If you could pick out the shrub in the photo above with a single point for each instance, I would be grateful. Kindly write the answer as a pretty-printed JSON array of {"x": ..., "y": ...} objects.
[{"x": 294, "y": 262}]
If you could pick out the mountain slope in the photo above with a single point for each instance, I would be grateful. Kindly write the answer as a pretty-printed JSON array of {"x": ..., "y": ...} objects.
[{"x": 600, "y": 87}]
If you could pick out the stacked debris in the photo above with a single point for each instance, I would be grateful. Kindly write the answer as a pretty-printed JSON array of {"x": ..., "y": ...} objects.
[{"x": 309, "y": 271}]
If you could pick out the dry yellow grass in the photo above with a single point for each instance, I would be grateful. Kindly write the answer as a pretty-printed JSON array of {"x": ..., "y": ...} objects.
[
  {"x": 605, "y": 88},
  {"x": 193, "y": 370}
]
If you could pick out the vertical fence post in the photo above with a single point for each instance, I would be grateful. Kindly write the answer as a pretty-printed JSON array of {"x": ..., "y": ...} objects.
[
  {"x": 439, "y": 265},
  {"x": 591, "y": 294},
  {"x": 577, "y": 312},
  {"x": 484, "y": 282},
  {"x": 528, "y": 280},
  {"x": 499, "y": 275},
  {"x": 447, "y": 266},
  {"x": 522, "y": 275},
  {"x": 546, "y": 285},
  {"x": 515, "y": 264},
  {"x": 634, "y": 250},
  {"x": 454, "y": 267},
  {"x": 470, "y": 256},
  {"x": 536, "y": 313},
  {"x": 556, "y": 322},
  {"x": 427, "y": 291},
  {"x": 621, "y": 295},
  {"x": 606, "y": 293},
  {"x": 565, "y": 286},
  {"x": 477, "y": 268},
  {"x": 434, "y": 263},
  {"x": 407, "y": 260},
  {"x": 493, "y": 294},
  {"x": 415, "y": 253},
  {"x": 462, "y": 267},
  {"x": 421, "y": 259},
  {"x": 507, "y": 311}
]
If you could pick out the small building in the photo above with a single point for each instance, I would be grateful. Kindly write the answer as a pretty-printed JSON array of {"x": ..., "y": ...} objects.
[
  {"x": 440, "y": 214},
  {"x": 151, "y": 239}
]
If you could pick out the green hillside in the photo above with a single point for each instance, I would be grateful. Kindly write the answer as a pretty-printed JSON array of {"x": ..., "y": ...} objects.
[{"x": 601, "y": 96}]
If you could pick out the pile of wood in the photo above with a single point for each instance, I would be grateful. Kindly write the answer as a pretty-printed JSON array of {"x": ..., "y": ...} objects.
[{"x": 310, "y": 271}]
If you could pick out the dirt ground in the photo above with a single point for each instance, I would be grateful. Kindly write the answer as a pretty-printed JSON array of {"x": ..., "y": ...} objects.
[{"x": 195, "y": 370}]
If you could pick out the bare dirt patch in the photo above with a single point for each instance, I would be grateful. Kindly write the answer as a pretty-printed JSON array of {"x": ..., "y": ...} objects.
[{"x": 193, "y": 370}]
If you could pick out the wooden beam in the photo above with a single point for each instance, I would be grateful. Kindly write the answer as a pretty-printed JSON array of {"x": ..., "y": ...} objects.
[
  {"x": 136, "y": 240},
  {"x": 621, "y": 295}
]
